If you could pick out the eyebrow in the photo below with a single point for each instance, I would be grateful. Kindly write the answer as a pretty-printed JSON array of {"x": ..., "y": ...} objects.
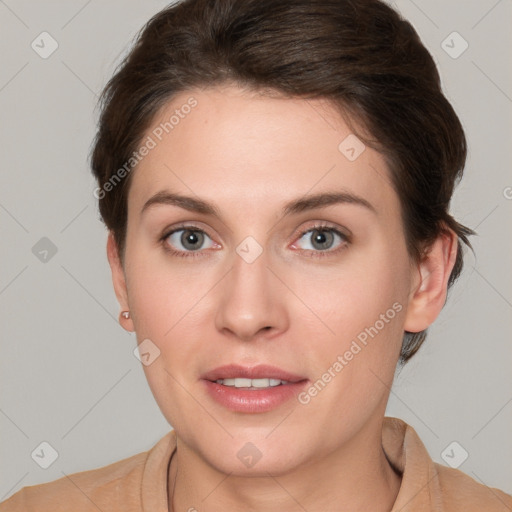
[{"x": 308, "y": 202}]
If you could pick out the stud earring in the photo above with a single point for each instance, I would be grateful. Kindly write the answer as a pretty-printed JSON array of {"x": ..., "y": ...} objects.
[{"x": 125, "y": 314}]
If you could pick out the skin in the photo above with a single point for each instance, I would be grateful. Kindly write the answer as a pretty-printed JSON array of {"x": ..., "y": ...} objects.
[{"x": 249, "y": 154}]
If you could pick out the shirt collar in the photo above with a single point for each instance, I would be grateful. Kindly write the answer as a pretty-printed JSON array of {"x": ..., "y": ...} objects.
[{"x": 420, "y": 490}]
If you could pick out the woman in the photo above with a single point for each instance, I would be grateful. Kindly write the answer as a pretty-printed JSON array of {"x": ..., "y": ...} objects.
[{"x": 276, "y": 180}]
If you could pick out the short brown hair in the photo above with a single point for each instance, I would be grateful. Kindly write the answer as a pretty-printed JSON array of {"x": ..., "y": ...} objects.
[{"x": 359, "y": 54}]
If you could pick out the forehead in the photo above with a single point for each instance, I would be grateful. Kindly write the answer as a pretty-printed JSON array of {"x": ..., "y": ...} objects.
[{"x": 230, "y": 145}]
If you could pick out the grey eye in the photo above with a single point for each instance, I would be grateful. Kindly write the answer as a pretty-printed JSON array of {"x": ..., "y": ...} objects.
[
  {"x": 190, "y": 240},
  {"x": 321, "y": 239}
]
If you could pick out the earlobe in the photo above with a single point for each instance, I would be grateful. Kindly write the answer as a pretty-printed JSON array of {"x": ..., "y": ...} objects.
[
  {"x": 428, "y": 295},
  {"x": 118, "y": 280}
]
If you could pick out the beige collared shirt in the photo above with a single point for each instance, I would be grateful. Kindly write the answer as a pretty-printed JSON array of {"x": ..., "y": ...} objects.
[{"x": 139, "y": 483}]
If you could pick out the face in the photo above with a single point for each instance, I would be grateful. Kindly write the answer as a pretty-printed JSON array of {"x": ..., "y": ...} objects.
[{"x": 297, "y": 261}]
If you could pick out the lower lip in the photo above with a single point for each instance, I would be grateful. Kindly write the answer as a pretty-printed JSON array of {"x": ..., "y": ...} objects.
[{"x": 253, "y": 400}]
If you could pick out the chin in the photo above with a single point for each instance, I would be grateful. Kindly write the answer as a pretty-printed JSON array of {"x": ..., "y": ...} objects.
[{"x": 255, "y": 456}]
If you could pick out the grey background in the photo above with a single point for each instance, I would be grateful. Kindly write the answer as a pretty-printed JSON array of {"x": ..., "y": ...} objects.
[{"x": 68, "y": 373}]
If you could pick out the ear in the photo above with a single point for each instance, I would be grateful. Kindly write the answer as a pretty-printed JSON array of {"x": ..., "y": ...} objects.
[
  {"x": 430, "y": 288},
  {"x": 119, "y": 281}
]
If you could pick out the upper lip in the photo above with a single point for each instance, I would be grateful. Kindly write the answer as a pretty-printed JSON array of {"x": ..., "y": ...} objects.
[{"x": 261, "y": 371}]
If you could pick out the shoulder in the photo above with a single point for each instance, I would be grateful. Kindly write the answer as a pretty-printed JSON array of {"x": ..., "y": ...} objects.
[
  {"x": 459, "y": 491},
  {"x": 105, "y": 488}
]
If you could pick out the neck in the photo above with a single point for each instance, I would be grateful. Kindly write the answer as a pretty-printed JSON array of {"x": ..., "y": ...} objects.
[{"x": 356, "y": 477}]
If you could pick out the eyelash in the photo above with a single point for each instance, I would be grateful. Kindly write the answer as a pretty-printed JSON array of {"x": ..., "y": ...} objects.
[{"x": 312, "y": 254}]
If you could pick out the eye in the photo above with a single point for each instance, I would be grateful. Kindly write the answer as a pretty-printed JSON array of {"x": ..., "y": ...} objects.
[
  {"x": 322, "y": 238},
  {"x": 188, "y": 239}
]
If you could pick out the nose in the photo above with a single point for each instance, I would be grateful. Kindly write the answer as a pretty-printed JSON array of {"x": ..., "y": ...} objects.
[{"x": 252, "y": 300}]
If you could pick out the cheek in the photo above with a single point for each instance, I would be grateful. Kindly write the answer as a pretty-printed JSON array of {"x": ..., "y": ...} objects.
[
  {"x": 356, "y": 293},
  {"x": 363, "y": 304},
  {"x": 169, "y": 312},
  {"x": 172, "y": 307},
  {"x": 162, "y": 294}
]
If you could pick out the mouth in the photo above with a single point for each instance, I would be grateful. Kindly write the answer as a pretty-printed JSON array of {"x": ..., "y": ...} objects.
[
  {"x": 254, "y": 384},
  {"x": 252, "y": 390},
  {"x": 262, "y": 375}
]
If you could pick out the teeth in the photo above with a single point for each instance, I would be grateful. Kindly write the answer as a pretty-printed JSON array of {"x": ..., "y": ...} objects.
[{"x": 251, "y": 383}]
